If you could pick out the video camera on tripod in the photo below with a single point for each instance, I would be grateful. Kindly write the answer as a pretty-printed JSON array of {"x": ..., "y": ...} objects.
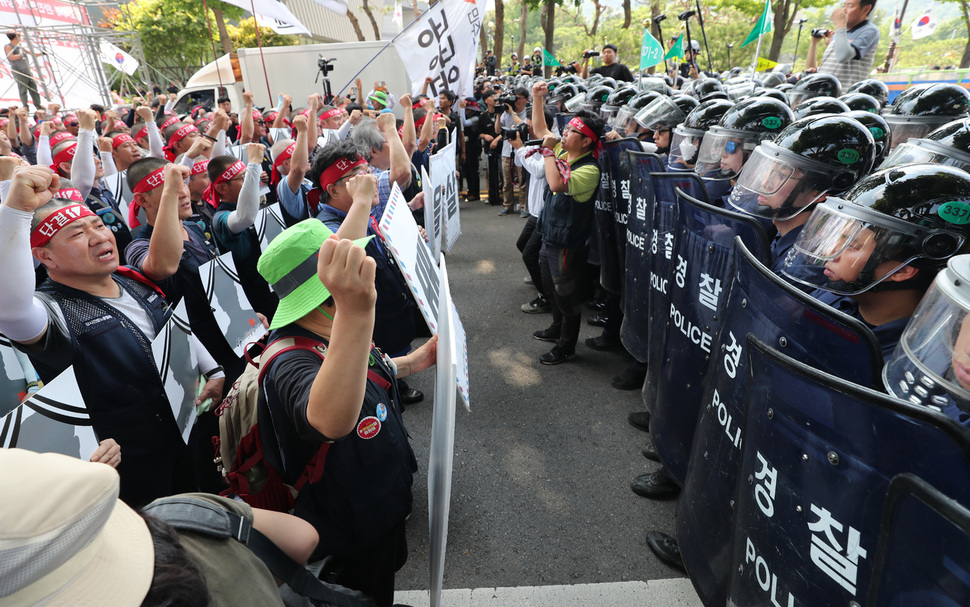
[{"x": 324, "y": 67}]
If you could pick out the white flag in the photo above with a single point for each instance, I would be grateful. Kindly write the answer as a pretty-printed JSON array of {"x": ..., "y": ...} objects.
[
  {"x": 337, "y": 6},
  {"x": 270, "y": 9},
  {"x": 925, "y": 24},
  {"x": 281, "y": 28},
  {"x": 398, "y": 17},
  {"x": 443, "y": 46},
  {"x": 118, "y": 58}
]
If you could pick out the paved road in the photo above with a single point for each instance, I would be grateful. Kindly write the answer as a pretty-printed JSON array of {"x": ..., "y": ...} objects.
[{"x": 544, "y": 461}]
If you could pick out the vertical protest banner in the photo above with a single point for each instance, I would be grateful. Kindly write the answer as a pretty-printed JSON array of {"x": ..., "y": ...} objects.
[
  {"x": 432, "y": 214},
  {"x": 442, "y": 455},
  {"x": 13, "y": 380},
  {"x": 460, "y": 355},
  {"x": 443, "y": 46},
  {"x": 233, "y": 313},
  {"x": 118, "y": 184},
  {"x": 178, "y": 367},
  {"x": 445, "y": 181},
  {"x": 402, "y": 238},
  {"x": 269, "y": 224}
]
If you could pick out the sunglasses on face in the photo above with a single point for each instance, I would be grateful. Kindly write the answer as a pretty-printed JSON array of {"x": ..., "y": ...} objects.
[{"x": 731, "y": 147}]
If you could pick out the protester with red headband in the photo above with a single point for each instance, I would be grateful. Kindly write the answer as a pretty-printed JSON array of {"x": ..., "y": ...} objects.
[
  {"x": 99, "y": 318},
  {"x": 124, "y": 149},
  {"x": 335, "y": 124},
  {"x": 291, "y": 161},
  {"x": 253, "y": 129},
  {"x": 180, "y": 137},
  {"x": 147, "y": 135},
  {"x": 234, "y": 192},
  {"x": 566, "y": 220}
]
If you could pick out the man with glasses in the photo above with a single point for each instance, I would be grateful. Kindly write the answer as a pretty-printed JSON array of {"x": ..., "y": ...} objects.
[
  {"x": 852, "y": 46},
  {"x": 511, "y": 173}
]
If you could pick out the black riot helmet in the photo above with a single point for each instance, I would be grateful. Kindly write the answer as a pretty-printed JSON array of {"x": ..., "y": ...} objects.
[
  {"x": 773, "y": 94},
  {"x": 814, "y": 85},
  {"x": 656, "y": 85},
  {"x": 878, "y": 128},
  {"x": 564, "y": 93},
  {"x": 913, "y": 216},
  {"x": 924, "y": 108},
  {"x": 608, "y": 82},
  {"x": 591, "y": 100},
  {"x": 706, "y": 89},
  {"x": 552, "y": 84},
  {"x": 624, "y": 122},
  {"x": 773, "y": 79},
  {"x": 876, "y": 88},
  {"x": 810, "y": 159},
  {"x": 742, "y": 128},
  {"x": 664, "y": 113},
  {"x": 819, "y": 105},
  {"x": 685, "y": 144},
  {"x": 949, "y": 145},
  {"x": 861, "y": 101},
  {"x": 621, "y": 95}
]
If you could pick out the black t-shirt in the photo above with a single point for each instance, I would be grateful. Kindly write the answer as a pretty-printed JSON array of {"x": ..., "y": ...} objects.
[{"x": 617, "y": 72}]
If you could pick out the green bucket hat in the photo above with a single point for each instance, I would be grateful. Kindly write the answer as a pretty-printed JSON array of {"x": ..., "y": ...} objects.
[
  {"x": 379, "y": 97},
  {"x": 289, "y": 265}
]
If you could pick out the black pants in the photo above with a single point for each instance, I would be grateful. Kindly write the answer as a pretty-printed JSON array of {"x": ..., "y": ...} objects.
[
  {"x": 494, "y": 179},
  {"x": 27, "y": 84},
  {"x": 561, "y": 272},
  {"x": 529, "y": 243},
  {"x": 372, "y": 570},
  {"x": 470, "y": 173}
]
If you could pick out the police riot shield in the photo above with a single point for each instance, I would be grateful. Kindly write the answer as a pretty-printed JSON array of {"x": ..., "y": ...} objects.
[
  {"x": 762, "y": 304},
  {"x": 817, "y": 459},
  {"x": 925, "y": 541},
  {"x": 612, "y": 200},
  {"x": 563, "y": 119},
  {"x": 663, "y": 240},
  {"x": 639, "y": 250},
  {"x": 698, "y": 287}
]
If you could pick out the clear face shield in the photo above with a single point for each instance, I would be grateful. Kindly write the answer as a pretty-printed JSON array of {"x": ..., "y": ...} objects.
[
  {"x": 795, "y": 98},
  {"x": 905, "y": 128},
  {"x": 777, "y": 184},
  {"x": 738, "y": 91},
  {"x": 624, "y": 122},
  {"x": 575, "y": 103},
  {"x": 926, "y": 151},
  {"x": 723, "y": 153},
  {"x": 685, "y": 146},
  {"x": 848, "y": 249},
  {"x": 660, "y": 112},
  {"x": 931, "y": 364}
]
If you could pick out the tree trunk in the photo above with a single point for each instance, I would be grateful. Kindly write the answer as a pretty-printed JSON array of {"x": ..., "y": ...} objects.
[
  {"x": 965, "y": 59},
  {"x": 598, "y": 10},
  {"x": 523, "y": 17},
  {"x": 781, "y": 24},
  {"x": 499, "y": 32},
  {"x": 223, "y": 32},
  {"x": 655, "y": 10},
  {"x": 355, "y": 24},
  {"x": 626, "y": 14},
  {"x": 373, "y": 21},
  {"x": 549, "y": 28}
]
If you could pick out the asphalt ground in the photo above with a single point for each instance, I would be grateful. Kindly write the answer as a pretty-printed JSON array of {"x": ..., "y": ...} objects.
[{"x": 543, "y": 463}]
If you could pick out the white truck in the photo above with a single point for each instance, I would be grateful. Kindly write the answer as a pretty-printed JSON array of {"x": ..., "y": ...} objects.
[{"x": 293, "y": 70}]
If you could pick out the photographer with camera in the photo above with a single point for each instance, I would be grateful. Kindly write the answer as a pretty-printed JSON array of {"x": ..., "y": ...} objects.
[
  {"x": 514, "y": 114},
  {"x": 851, "y": 47},
  {"x": 611, "y": 68}
]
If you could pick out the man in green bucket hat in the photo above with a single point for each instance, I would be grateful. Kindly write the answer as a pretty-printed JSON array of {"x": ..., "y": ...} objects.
[{"x": 349, "y": 399}]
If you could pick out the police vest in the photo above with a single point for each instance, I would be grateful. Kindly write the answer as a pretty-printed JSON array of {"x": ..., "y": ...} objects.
[
  {"x": 564, "y": 222},
  {"x": 121, "y": 388}
]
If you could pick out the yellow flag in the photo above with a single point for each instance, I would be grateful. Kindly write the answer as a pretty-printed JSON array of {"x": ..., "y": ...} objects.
[{"x": 765, "y": 64}]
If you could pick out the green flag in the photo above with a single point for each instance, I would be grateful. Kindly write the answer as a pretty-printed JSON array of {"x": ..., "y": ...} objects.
[
  {"x": 651, "y": 51},
  {"x": 677, "y": 50},
  {"x": 763, "y": 26},
  {"x": 548, "y": 59}
]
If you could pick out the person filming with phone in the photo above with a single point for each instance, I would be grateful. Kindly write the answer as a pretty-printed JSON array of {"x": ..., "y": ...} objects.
[{"x": 851, "y": 48}]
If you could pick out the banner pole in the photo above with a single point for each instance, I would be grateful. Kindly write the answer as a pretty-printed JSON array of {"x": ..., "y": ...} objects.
[{"x": 392, "y": 40}]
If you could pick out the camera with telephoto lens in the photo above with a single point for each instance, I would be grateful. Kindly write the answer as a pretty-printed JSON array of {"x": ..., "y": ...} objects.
[
  {"x": 508, "y": 99},
  {"x": 819, "y": 32},
  {"x": 521, "y": 129},
  {"x": 324, "y": 65},
  {"x": 589, "y": 54}
]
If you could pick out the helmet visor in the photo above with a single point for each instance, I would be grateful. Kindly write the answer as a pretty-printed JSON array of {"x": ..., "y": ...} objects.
[
  {"x": 624, "y": 122},
  {"x": 778, "y": 186},
  {"x": 796, "y": 97},
  {"x": 847, "y": 253},
  {"x": 685, "y": 146},
  {"x": 931, "y": 364},
  {"x": 921, "y": 151},
  {"x": 660, "y": 114},
  {"x": 574, "y": 103},
  {"x": 905, "y": 128},
  {"x": 741, "y": 89},
  {"x": 722, "y": 154}
]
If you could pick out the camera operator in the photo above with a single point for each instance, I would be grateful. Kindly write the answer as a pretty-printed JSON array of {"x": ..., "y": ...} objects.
[
  {"x": 852, "y": 46},
  {"x": 515, "y": 104},
  {"x": 611, "y": 68}
]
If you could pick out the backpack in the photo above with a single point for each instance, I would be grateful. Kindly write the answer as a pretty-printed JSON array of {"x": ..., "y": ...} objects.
[{"x": 240, "y": 456}]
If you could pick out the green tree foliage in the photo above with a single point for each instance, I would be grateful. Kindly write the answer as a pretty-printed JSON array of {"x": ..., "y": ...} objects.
[
  {"x": 244, "y": 36},
  {"x": 173, "y": 33}
]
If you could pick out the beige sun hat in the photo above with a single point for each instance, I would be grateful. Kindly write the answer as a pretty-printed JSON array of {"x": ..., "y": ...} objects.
[{"x": 65, "y": 538}]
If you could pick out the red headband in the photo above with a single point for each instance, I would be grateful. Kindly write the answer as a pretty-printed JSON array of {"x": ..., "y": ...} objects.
[
  {"x": 120, "y": 140},
  {"x": 65, "y": 155},
  {"x": 70, "y": 194},
  {"x": 211, "y": 195},
  {"x": 580, "y": 126},
  {"x": 180, "y": 134},
  {"x": 257, "y": 116},
  {"x": 201, "y": 166},
  {"x": 278, "y": 162},
  {"x": 332, "y": 113},
  {"x": 336, "y": 170},
  {"x": 271, "y": 117},
  {"x": 120, "y": 125},
  {"x": 56, "y": 221},
  {"x": 169, "y": 122},
  {"x": 55, "y": 139},
  {"x": 150, "y": 181}
]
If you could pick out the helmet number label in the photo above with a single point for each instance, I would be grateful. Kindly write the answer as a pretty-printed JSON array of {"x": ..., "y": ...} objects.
[
  {"x": 771, "y": 122},
  {"x": 954, "y": 212},
  {"x": 847, "y": 156},
  {"x": 877, "y": 132}
]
